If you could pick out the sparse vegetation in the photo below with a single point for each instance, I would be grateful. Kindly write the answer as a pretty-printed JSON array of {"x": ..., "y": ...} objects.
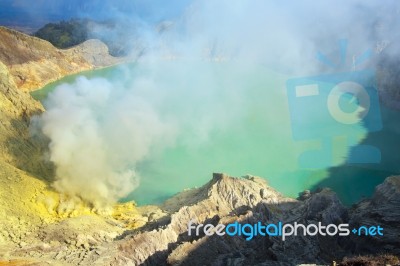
[{"x": 64, "y": 34}]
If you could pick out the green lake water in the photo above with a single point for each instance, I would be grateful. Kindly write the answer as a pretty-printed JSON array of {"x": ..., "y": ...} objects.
[{"x": 256, "y": 140}]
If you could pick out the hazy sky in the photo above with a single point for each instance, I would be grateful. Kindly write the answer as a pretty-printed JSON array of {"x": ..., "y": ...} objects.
[{"x": 25, "y": 13}]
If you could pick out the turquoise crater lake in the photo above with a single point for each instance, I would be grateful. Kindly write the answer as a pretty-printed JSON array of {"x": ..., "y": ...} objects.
[{"x": 245, "y": 116}]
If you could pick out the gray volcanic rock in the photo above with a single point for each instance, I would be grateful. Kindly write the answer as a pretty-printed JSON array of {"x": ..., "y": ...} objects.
[
  {"x": 96, "y": 53},
  {"x": 226, "y": 200},
  {"x": 223, "y": 199},
  {"x": 382, "y": 209}
]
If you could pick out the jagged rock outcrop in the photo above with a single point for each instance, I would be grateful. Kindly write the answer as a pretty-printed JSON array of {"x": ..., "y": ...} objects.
[
  {"x": 382, "y": 209},
  {"x": 223, "y": 198},
  {"x": 246, "y": 200}
]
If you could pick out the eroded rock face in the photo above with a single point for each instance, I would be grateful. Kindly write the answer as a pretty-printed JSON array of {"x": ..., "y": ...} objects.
[
  {"x": 249, "y": 200},
  {"x": 223, "y": 199}
]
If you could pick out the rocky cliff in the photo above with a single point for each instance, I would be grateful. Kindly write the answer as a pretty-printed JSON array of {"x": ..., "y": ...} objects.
[{"x": 33, "y": 62}]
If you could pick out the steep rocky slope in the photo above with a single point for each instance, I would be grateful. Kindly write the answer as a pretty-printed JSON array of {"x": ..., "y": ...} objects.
[
  {"x": 16, "y": 145},
  {"x": 27, "y": 202},
  {"x": 33, "y": 62}
]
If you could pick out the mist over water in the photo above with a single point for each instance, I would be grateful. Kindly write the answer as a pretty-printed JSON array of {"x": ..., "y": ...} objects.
[
  {"x": 208, "y": 95},
  {"x": 165, "y": 128}
]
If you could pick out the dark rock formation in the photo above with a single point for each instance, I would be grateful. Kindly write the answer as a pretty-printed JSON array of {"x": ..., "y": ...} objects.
[{"x": 382, "y": 209}]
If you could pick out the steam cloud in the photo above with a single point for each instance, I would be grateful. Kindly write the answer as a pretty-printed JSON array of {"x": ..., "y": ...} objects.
[{"x": 100, "y": 131}]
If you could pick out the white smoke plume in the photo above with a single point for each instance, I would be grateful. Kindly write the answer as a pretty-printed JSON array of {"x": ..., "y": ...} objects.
[{"x": 100, "y": 131}]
